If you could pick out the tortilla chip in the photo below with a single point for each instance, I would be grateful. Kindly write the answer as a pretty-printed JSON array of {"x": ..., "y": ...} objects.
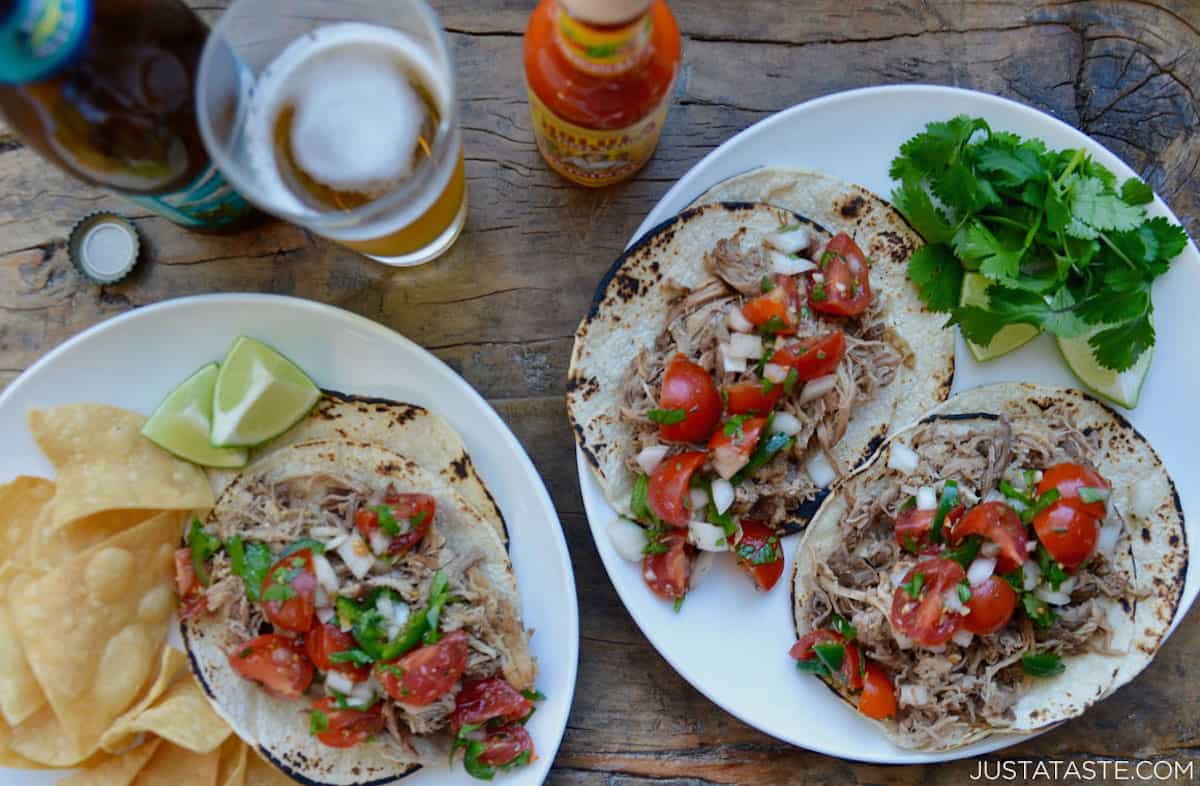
[
  {"x": 92, "y": 628},
  {"x": 100, "y": 455},
  {"x": 175, "y": 766},
  {"x": 172, "y": 670},
  {"x": 260, "y": 772},
  {"x": 48, "y": 547},
  {"x": 21, "y": 504},
  {"x": 117, "y": 771},
  {"x": 231, "y": 767},
  {"x": 9, "y": 757},
  {"x": 182, "y": 715}
]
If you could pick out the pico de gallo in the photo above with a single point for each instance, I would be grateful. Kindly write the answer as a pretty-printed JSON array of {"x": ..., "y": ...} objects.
[
  {"x": 353, "y": 608},
  {"x": 738, "y": 405},
  {"x": 972, "y": 559}
]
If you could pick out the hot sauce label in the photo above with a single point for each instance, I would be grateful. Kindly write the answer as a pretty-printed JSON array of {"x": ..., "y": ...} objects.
[{"x": 591, "y": 157}]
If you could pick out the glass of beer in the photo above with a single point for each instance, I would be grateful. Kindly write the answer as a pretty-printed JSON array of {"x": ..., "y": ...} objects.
[{"x": 340, "y": 117}]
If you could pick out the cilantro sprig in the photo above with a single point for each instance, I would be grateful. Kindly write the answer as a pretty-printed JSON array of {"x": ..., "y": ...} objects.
[{"x": 1063, "y": 243}]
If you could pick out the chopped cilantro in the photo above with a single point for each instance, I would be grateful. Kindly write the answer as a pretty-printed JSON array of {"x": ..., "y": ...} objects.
[
  {"x": 318, "y": 722},
  {"x": 771, "y": 326},
  {"x": 678, "y": 604},
  {"x": 1042, "y": 502},
  {"x": 830, "y": 655},
  {"x": 964, "y": 591},
  {"x": 203, "y": 546},
  {"x": 913, "y": 586},
  {"x": 1038, "y": 611},
  {"x": 841, "y": 625},
  {"x": 733, "y": 428},
  {"x": 387, "y": 520},
  {"x": 818, "y": 293},
  {"x": 1052, "y": 571},
  {"x": 789, "y": 383},
  {"x": 1043, "y": 664},
  {"x": 666, "y": 417},
  {"x": 1089, "y": 495},
  {"x": 945, "y": 504},
  {"x": 767, "y": 284}
]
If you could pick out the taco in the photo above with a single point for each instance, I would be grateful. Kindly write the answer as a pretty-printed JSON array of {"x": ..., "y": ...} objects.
[
  {"x": 353, "y": 618},
  {"x": 737, "y": 360},
  {"x": 999, "y": 566}
]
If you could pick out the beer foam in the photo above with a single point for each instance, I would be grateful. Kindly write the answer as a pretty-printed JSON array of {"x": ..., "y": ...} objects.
[{"x": 357, "y": 121}]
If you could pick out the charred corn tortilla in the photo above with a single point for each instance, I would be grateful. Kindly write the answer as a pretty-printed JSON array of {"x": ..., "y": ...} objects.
[
  {"x": 633, "y": 303},
  {"x": 278, "y": 728},
  {"x": 1150, "y": 554}
]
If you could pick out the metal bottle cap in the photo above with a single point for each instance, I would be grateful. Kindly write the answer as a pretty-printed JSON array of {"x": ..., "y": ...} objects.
[
  {"x": 104, "y": 247},
  {"x": 606, "y": 12}
]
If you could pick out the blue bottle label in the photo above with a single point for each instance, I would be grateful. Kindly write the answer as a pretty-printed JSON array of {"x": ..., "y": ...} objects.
[
  {"x": 206, "y": 202},
  {"x": 41, "y": 36}
]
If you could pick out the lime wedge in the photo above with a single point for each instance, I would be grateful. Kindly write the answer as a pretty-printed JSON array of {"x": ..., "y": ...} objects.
[
  {"x": 974, "y": 293},
  {"x": 259, "y": 395},
  {"x": 183, "y": 420},
  {"x": 1119, "y": 387}
]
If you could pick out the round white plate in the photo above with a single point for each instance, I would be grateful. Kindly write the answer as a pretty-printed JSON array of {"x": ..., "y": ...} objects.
[
  {"x": 133, "y": 360},
  {"x": 730, "y": 642}
]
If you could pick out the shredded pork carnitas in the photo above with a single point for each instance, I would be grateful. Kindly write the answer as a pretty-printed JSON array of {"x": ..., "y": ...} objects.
[
  {"x": 962, "y": 685},
  {"x": 697, "y": 326},
  {"x": 322, "y": 507}
]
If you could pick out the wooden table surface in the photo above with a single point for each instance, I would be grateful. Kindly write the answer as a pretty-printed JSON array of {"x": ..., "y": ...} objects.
[{"x": 502, "y": 305}]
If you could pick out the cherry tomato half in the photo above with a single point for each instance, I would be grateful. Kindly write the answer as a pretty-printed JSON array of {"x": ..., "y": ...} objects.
[
  {"x": 346, "y": 727},
  {"x": 1068, "y": 532},
  {"x": 504, "y": 745},
  {"x": 778, "y": 307},
  {"x": 845, "y": 286},
  {"x": 812, "y": 358},
  {"x": 325, "y": 640},
  {"x": 424, "y": 675},
  {"x": 289, "y": 592},
  {"x": 413, "y": 514},
  {"x": 1000, "y": 524},
  {"x": 749, "y": 398},
  {"x": 276, "y": 662},
  {"x": 191, "y": 594},
  {"x": 759, "y": 554},
  {"x": 925, "y": 618},
  {"x": 851, "y": 670},
  {"x": 667, "y": 491},
  {"x": 732, "y": 444},
  {"x": 914, "y": 529},
  {"x": 669, "y": 573},
  {"x": 992, "y": 604},
  {"x": 878, "y": 699},
  {"x": 688, "y": 387},
  {"x": 1068, "y": 479},
  {"x": 481, "y": 701}
]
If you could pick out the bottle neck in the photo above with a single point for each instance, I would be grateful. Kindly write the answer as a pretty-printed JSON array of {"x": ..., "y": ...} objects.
[
  {"x": 603, "y": 50},
  {"x": 38, "y": 37}
]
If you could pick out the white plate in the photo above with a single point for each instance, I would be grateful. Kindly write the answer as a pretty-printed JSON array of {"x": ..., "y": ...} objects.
[
  {"x": 732, "y": 643},
  {"x": 133, "y": 360}
]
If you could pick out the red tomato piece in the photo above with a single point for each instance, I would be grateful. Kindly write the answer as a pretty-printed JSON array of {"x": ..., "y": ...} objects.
[
  {"x": 289, "y": 592},
  {"x": 668, "y": 574},
  {"x": 878, "y": 699},
  {"x": 812, "y": 358},
  {"x": 688, "y": 387},
  {"x": 667, "y": 491},
  {"x": 732, "y": 444},
  {"x": 749, "y": 398},
  {"x": 914, "y": 529},
  {"x": 851, "y": 671},
  {"x": 413, "y": 513},
  {"x": 346, "y": 727},
  {"x": 325, "y": 640},
  {"x": 845, "y": 286},
  {"x": 925, "y": 618},
  {"x": 759, "y": 554},
  {"x": 781, "y": 304},
  {"x": 427, "y": 673},
  {"x": 481, "y": 701},
  {"x": 276, "y": 662},
  {"x": 1000, "y": 524},
  {"x": 1068, "y": 532},
  {"x": 1068, "y": 479},
  {"x": 992, "y": 603},
  {"x": 191, "y": 594},
  {"x": 505, "y": 745}
]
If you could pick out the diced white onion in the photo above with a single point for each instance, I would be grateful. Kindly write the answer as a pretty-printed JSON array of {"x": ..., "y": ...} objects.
[
  {"x": 1031, "y": 546},
  {"x": 926, "y": 498},
  {"x": 939, "y": 649},
  {"x": 1143, "y": 498},
  {"x": 902, "y": 641},
  {"x": 383, "y": 604},
  {"x": 651, "y": 457},
  {"x": 914, "y": 695},
  {"x": 743, "y": 345},
  {"x": 730, "y": 362},
  {"x": 1110, "y": 533},
  {"x": 321, "y": 597},
  {"x": 362, "y": 694},
  {"x": 1032, "y": 574},
  {"x": 628, "y": 539},
  {"x": 951, "y": 602},
  {"x": 902, "y": 458},
  {"x": 816, "y": 388},
  {"x": 737, "y": 321},
  {"x": 393, "y": 631},
  {"x": 325, "y": 614},
  {"x": 333, "y": 544},
  {"x": 990, "y": 549},
  {"x": 786, "y": 423},
  {"x": 790, "y": 266},
  {"x": 698, "y": 498},
  {"x": 379, "y": 541},
  {"x": 700, "y": 568},
  {"x": 722, "y": 491},
  {"x": 325, "y": 575},
  {"x": 356, "y": 555},
  {"x": 775, "y": 372},
  {"x": 994, "y": 496},
  {"x": 1016, "y": 505},
  {"x": 324, "y": 533},
  {"x": 1052, "y": 597},
  {"x": 336, "y": 681},
  {"x": 791, "y": 241},
  {"x": 707, "y": 537},
  {"x": 963, "y": 637},
  {"x": 981, "y": 570},
  {"x": 1037, "y": 476},
  {"x": 1068, "y": 586},
  {"x": 820, "y": 470},
  {"x": 819, "y": 277}
]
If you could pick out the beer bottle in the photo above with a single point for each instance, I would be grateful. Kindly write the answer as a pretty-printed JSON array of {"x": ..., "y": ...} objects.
[{"x": 104, "y": 90}]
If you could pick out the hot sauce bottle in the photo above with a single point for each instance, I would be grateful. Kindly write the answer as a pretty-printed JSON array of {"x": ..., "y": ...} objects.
[{"x": 599, "y": 75}]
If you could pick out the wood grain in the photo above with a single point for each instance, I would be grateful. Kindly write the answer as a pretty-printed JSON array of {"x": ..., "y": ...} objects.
[{"x": 501, "y": 307}]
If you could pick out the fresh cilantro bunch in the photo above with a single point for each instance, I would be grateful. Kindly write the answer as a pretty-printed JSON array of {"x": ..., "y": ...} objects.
[{"x": 1064, "y": 244}]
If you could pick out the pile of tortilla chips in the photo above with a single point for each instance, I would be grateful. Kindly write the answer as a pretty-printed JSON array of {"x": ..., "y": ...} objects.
[{"x": 87, "y": 679}]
